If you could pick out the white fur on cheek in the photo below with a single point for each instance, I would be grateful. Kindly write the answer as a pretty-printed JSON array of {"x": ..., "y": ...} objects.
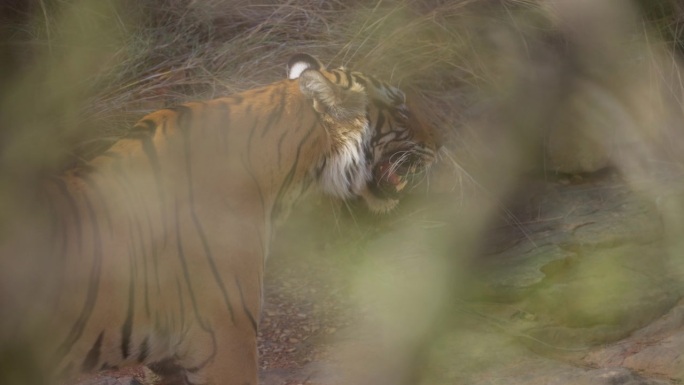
[{"x": 346, "y": 171}]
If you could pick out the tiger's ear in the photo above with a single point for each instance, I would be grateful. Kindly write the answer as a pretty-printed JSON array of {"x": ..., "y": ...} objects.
[
  {"x": 302, "y": 62},
  {"x": 331, "y": 99}
]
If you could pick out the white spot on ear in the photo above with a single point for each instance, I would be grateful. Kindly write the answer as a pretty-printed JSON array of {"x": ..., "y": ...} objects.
[{"x": 297, "y": 68}]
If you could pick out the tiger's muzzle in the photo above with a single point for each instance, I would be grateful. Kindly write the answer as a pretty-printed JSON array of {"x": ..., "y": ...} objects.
[{"x": 400, "y": 172}]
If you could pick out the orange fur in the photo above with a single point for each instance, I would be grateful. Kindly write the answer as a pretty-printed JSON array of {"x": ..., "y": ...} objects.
[{"x": 155, "y": 253}]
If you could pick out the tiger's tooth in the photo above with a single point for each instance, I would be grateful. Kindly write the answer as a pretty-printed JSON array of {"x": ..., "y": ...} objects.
[{"x": 401, "y": 185}]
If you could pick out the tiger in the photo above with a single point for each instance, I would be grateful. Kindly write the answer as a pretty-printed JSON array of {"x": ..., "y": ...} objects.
[{"x": 153, "y": 252}]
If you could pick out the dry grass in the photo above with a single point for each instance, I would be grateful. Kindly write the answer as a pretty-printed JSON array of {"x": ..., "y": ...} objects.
[{"x": 87, "y": 69}]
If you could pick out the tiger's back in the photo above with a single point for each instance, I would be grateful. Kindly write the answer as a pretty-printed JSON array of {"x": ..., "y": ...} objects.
[{"x": 155, "y": 251}]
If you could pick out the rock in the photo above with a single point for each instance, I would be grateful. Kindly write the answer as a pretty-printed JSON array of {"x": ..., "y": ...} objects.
[
  {"x": 520, "y": 268},
  {"x": 485, "y": 358},
  {"x": 592, "y": 269},
  {"x": 623, "y": 288},
  {"x": 664, "y": 358},
  {"x": 655, "y": 349}
]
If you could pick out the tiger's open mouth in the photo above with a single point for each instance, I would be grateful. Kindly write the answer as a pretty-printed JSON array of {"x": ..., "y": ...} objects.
[{"x": 390, "y": 177}]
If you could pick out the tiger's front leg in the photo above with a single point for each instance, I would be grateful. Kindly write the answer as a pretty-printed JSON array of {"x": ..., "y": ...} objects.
[
  {"x": 220, "y": 348},
  {"x": 234, "y": 362},
  {"x": 220, "y": 296}
]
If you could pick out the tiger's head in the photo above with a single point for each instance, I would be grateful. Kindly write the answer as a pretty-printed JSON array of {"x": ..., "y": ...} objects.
[{"x": 379, "y": 148}]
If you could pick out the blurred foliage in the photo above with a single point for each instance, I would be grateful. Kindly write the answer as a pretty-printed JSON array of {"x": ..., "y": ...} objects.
[{"x": 491, "y": 75}]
